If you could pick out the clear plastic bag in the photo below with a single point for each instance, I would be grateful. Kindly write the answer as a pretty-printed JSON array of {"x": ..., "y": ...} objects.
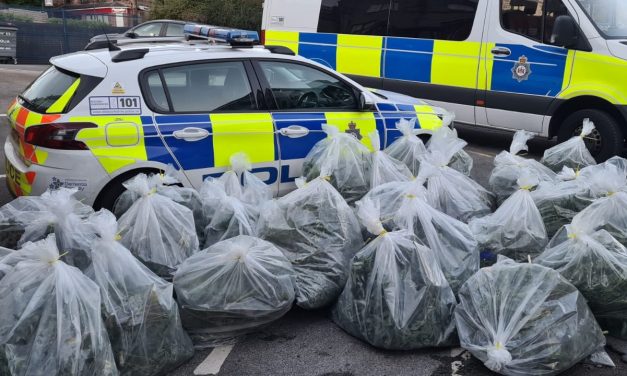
[
  {"x": 240, "y": 183},
  {"x": 319, "y": 233},
  {"x": 230, "y": 218},
  {"x": 385, "y": 169},
  {"x": 157, "y": 230},
  {"x": 509, "y": 167},
  {"x": 525, "y": 319},
  {"x": 232, "y": 288},
  {"x": 140, "y": 314},
  {"x": 445, "y": 141},
  {"x": 451, "y": 241},
  {"x": 558, "y": 203},
  {"x": 609, "y": 211},
  {"x": 343, "y": 159},
  {"x": 56, "y": 211},
  {"x": 572, "y": 153},
  {"x": 515, "y": 230},
  {"x": 168, "y": 185},
  {"x": 408, "y": 148},
  {"x": 452, "y": 192},
  {"x": 50, "y": 322},
  {"x": 396, "y": 296},
  {"x": 596, "y": 264}
]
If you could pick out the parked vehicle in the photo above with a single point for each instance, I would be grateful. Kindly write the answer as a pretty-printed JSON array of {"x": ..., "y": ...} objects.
[{"x": 151, "y": 31}]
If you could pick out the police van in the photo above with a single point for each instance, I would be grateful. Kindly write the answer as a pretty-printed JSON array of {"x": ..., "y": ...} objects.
[
  {"x": 538, "y": 65},
  {"x": 96, "y": 118}
]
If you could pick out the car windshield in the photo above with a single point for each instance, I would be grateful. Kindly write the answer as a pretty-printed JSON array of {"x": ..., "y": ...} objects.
[{"x": 609, "y": 16}]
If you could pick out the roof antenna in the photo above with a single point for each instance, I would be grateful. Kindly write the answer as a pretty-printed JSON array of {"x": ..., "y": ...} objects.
[{"x": 110, "y": 45}]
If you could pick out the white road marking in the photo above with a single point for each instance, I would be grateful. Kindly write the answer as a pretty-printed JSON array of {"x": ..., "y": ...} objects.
[
  {"x": 2, "y": 176},
  {"x": 482, "y": 154},
  {"x": 3, "y": 115},
  {"x": 212, "y": 364}
]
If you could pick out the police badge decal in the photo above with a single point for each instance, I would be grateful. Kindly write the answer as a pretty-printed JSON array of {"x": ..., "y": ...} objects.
[{"x": 522, "y": 69}]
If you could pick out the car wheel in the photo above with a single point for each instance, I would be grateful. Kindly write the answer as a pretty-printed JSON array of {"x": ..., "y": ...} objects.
[{"x": 605, "y": 141}]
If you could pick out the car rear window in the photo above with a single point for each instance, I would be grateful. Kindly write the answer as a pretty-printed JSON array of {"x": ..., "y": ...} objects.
[{"x": 47, "y": 89}]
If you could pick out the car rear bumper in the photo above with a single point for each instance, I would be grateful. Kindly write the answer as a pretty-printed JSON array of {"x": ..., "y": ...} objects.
[{"x": 85, "y": 174}]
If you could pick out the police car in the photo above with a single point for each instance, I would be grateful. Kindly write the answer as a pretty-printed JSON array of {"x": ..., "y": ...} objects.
[{"x": 96, "y": 118}]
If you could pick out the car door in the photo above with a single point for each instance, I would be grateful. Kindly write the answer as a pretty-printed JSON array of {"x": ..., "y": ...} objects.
[
  {"x": 525, "y": 73},
  {"x": 208, "y": 111},
  {"x": 305, "y": 97}
]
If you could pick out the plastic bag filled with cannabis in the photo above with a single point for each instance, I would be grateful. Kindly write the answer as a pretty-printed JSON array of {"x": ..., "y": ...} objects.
[
  {"x": 240, "y": 183},
  {"x": 609, "y": 212},
  {"x": 408, "y": 148},
  {"x": 596, "y": 264},
  {"x": 50, "y": 322},
  {"x": 509, "y": 167},
  {"x": 385, "y": 169},
  {"x": 572, "y": 153},
  {"x": 344, "y": 159},
  {"x": 515, "y": 229},
  {"x": 157, "y": 230},
  {"x": 229, "y": 218},
  {"x": 559, "y": 202},
  {"x": 319, "y": 233},
  {"x": 56, "y": 211},
  {"x": 232, "y": 288},
  {"x": 452, "y": 192},
  {"x": 168, "y": 185},
  {"x": 140, "y": 314},
  {"x": 396, "y": 296},
  {"x": 444, "y": 140},
  {"x": 451, "y": 241},
  {"x": 525, "y": 319}
]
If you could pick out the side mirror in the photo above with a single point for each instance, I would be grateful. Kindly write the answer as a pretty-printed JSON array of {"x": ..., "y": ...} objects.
[
  {"x": 565, "y": 32},
  {"x": 131, "y": 35},
  {"x": 366, "y": 103}
]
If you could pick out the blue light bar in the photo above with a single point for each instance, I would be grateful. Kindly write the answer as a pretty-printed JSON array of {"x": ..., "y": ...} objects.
[{"x": 221, "y": 34}]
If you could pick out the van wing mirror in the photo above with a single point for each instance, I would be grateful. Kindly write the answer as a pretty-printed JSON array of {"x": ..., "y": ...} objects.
[
  {"x": 366, "y": 103},
  {"x": 565, "y": 32}
]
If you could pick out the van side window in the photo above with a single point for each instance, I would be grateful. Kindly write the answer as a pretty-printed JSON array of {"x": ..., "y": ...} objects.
[
  {"x": 432, "y": 19},
  {"x": 364, "y": 17},
  {"x": 201, "y": 88},
  {"x": 533, "y": 19}
]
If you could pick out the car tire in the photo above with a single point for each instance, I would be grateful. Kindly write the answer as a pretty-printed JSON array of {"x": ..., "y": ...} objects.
[{"x": 606, "y": 141}]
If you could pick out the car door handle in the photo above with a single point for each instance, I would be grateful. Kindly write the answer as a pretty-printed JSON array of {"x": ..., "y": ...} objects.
[
  {"x": 294, "y": 131},
  {"x": 501, "y": 51},
  {"x": 191, "y": 134}
]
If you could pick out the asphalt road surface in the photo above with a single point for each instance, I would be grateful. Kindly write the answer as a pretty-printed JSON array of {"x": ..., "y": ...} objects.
[{"x": 308, "y": 343}]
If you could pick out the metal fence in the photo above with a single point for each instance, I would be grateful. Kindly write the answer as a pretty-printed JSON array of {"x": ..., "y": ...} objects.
[{"x": 44, "y": 33}]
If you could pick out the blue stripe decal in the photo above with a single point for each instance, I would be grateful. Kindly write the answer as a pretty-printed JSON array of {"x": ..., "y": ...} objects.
[
  {"x": 323, "y": 48},
  {"x": 547, "y": 71},
  {"x": 406, "y": 108},
  {"x": 191, "y": 155},
  {"x": 391, "y": 118},
  {"x": 297, "y": 148},
  {"x": 386, "y": 107},
  {"x": 408, "y": 59},
  {"x": 380, "y": 122},
  {"x": 155, "y": 149}
]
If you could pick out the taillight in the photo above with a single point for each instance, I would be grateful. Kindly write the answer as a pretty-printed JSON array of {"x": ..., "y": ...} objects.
[
  {"x": 263, "y": 37},
  {"x": 57, "y": 135}
]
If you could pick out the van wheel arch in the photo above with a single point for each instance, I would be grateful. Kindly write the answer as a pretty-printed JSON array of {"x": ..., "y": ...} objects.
[
  {"x": 611, "y": 124},
  {"x": 112, "y": 190}
]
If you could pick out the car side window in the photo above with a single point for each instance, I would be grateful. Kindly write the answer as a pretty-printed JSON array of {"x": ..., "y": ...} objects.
[
  {"x": 152, "y": 29},
  {"x": 174, "y": 30},
  {"x": 202, "y": 88},
  {"x": 533, "y": 19},
  {"x": 297, "y": 86}
]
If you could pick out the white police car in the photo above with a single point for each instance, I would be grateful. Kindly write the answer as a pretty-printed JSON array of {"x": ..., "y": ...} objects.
[{"x": 96, "y": 118}]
